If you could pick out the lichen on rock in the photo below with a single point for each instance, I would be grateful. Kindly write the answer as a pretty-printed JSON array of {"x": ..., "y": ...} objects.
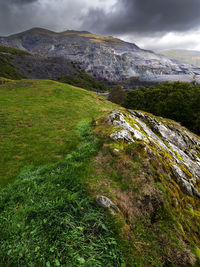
[
  {"x": 155, "y": 172},
  {"x": 181, "y": 145},
  {"x": 150, "y": 168}
]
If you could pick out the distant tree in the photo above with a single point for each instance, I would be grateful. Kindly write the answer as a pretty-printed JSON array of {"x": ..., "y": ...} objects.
[{"x": 117, "y": 95}]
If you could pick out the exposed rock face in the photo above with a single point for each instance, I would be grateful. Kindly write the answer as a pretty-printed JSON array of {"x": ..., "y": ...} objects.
[
  {"x": 104, "y": 57},
  {"x": 177, "y": 147}
]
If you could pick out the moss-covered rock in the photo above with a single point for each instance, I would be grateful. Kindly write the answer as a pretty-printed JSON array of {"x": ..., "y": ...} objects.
[{"x": 154, "y": 180}]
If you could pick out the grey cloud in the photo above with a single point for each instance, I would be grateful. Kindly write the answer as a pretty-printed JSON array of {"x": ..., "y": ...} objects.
[
  {"x": 15, "y": 15},
  {"x": 142, "y": 21},
  {"x": 21, "y": 2},
  {"x": 145, "y": 17},
  {"x": 20, "y": 15}
]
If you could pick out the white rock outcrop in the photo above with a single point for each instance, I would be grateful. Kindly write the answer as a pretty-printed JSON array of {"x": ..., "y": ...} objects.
[{"x": 180, "y": 147}]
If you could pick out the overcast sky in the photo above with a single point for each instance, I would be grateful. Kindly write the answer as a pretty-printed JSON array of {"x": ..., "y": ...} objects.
[{"x": 151, "y": 24}]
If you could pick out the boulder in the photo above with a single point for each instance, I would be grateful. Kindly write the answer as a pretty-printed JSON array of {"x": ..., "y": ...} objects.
[{"x": 105, "y": 202}]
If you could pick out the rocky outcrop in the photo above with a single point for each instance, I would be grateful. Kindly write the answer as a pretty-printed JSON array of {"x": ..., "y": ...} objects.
[
  {"x": 150, "y": 168},
  {"x": 172, "y": 144},
  {"x": 104, "y": 57}
]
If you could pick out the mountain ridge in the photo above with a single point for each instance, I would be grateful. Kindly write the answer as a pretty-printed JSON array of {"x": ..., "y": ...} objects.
[{"x": 104, "y": 57}]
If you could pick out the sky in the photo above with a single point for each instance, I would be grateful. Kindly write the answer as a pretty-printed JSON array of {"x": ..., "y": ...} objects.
[{"x": 151, "y": 24}]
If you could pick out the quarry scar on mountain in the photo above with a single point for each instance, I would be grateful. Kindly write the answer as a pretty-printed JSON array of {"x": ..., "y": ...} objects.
[{"x": 106, "y": 58}]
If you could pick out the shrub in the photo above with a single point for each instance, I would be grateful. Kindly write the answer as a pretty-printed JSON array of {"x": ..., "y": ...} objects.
[{"x": 117, "y": 95}]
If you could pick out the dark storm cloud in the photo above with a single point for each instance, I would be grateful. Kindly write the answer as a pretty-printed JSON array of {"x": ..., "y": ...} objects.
[
  {"x": 21, "y": 2},
  {"x": 142, "y": 21},
  {"x": 145, "y": 16}
]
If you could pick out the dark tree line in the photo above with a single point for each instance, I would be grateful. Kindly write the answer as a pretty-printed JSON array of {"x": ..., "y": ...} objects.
[
  {"x": 177, "y": 101},
  {"x": 83, "y": 80}
]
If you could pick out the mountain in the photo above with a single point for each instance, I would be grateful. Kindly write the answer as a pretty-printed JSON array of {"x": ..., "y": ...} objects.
[
  {"x": 103, "y": 57},
  {"x": 92, "y": 183},
  {"x": 183, "y": 56}
]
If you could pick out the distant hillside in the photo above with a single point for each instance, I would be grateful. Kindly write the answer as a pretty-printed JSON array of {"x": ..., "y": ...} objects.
[
  {"x": 17, "y": 64},
  {"x": 7, "y": 69},
  {"x": 104, "y": 57},
  {"x": 183, "y": 56}
]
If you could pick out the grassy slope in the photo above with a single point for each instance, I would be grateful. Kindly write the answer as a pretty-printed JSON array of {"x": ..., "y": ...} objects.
[
  {"x": 38, "y": 121},
  {"x": 48, "y": 219}
]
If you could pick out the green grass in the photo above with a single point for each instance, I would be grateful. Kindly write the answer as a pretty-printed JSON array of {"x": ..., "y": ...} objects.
[
  {"x": 38, "y": 121},
  {"x": 13, "y": 51},
  {"x": 48, "y": 219}
]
